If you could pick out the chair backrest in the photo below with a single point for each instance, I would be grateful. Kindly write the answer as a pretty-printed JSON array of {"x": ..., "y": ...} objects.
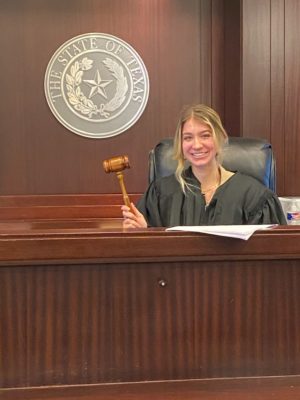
[{"x": 250, "y": 156}]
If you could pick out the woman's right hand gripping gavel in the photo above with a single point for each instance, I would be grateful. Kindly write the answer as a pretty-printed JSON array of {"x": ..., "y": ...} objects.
[{"x": 132, "y": 217}]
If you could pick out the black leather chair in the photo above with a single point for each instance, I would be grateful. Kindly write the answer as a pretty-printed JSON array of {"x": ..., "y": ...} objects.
[{"x": 250, "y": 156}]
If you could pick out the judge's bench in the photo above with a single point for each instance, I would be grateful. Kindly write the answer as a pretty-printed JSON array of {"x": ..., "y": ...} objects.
[{"x": 91, "y": 311}]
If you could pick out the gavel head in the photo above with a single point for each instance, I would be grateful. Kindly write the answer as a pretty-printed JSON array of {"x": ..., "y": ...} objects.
[{"x": 116, "y": 164}]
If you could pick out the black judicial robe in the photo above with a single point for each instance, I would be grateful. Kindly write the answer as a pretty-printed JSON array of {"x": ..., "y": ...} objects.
[{"x": 238, "y": 201}]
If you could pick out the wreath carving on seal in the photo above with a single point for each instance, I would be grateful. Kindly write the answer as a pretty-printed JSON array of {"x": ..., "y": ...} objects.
[{"x": 86, "y": 106}]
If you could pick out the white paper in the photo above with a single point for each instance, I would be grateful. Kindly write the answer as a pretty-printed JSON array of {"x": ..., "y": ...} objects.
[{"x": 234, "y": 231}]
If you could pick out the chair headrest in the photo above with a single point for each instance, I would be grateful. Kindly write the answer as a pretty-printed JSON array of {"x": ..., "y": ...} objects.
[{"x": 249, "y": 156}]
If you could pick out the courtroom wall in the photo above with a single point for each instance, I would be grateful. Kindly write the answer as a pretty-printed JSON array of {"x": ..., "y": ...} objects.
[
  {"x": 270, "y": 83},
  {"x": 182, "y": 44},
  {"x": 239, "y": 56}
]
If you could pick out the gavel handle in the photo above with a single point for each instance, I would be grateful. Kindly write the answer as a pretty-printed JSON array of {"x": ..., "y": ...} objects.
[{"x": 125, "y": 195}]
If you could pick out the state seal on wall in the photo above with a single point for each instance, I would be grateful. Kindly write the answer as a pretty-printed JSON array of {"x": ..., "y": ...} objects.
[{"x": 96, "y": 85}]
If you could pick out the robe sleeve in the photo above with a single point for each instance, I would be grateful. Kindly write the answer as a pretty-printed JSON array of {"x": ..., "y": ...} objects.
[
  {"x": 148, "y": 205},
  {"x": 270, "y": 212}
]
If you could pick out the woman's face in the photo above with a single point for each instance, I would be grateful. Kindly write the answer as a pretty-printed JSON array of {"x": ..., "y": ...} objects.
[{"x": 198, "y": 144}]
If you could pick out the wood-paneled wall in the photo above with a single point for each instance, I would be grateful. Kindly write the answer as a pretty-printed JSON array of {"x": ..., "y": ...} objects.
[
  {"x": 239, "y": 56},
  {"x": 182, "y": 46},
  {"x": 270, "y": 83}
]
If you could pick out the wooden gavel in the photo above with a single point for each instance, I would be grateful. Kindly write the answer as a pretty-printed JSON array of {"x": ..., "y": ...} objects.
[{"x": 118, "y": 164}]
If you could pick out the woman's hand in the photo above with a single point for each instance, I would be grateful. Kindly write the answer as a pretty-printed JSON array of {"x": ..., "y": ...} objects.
[{"x": 132, "y": 217}]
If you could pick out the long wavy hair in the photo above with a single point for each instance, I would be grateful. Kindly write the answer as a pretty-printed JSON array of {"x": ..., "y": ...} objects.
[{"x": 207, "y": 116}]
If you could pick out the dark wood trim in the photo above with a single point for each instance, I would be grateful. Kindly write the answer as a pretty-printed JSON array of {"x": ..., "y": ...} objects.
[
  {"x": 232, "y": 67},
  {"x": 62, "y": 206},
  {"x": 76, "y": 241},
  {"x": 262, "y": 388}
]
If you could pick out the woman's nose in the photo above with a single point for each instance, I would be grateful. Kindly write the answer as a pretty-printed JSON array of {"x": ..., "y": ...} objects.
[{"x": 197, "y": 142}]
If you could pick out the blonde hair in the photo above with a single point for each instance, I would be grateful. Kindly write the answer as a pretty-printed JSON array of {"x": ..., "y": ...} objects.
[{"x": 208, "y": 116}]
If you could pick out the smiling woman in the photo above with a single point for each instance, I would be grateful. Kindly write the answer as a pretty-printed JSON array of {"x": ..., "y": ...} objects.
[
  {"x": 200, "y": 146},
  {"x": 205, "y": 193}
]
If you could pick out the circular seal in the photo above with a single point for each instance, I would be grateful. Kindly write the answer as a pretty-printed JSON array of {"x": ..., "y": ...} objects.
[{"x": 96, "y": 85}]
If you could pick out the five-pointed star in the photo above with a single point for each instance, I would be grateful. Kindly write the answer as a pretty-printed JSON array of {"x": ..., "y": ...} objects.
[{"x": 97, "y": 85}]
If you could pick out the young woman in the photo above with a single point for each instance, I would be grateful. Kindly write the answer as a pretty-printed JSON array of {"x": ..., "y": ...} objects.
[{"x": 204, "y": 193}]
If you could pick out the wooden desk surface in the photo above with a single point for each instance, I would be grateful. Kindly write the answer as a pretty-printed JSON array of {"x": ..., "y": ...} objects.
[
  {"x": 104, "y": 240},
  {"x": 269, "y": 388}
]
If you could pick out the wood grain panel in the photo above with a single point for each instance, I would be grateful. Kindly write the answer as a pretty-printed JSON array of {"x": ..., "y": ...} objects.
[
  {"x": 40, "y": 156},
  {"x": 277, "y": 388},
  {"x": 270, "y": 83},
  {"x": 62, "y": 206},
  {"x": 119, "y": 323},
  {"x": 232, "y": 61},
  {"x": 205, "y": 44},
  {"x": 225, "y": 63},
  {"x": 292, "y": 82},
  {"x": 256, "y": 68},
  {"x": 217, "y": 56},
  {"x": 237, "y": 56},
  {"x": 277, "y": 75},
  {"x": 54, "y": 242}
]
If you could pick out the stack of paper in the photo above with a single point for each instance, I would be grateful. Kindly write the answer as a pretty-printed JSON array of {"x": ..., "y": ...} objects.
[{"x": 234, "y": 231}]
